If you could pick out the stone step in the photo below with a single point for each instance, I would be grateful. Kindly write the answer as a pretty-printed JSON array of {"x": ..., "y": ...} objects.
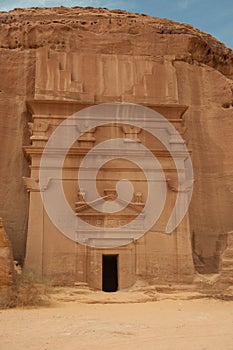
[{"x": 81, "y": 285}]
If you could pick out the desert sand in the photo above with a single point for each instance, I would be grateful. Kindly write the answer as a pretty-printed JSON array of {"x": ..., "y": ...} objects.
[{"x": 201, "y": 324}]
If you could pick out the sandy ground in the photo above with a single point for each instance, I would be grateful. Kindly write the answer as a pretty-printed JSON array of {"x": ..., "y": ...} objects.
[{"x": 204, "y": 324}]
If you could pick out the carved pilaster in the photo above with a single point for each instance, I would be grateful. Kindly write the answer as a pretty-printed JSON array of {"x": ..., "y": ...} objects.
[
  {"x": 38, "y": 131},
  {"x": 87, "y": 140}
]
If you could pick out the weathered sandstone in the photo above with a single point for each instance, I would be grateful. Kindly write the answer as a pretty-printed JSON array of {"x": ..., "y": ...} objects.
[
  {"x": 6, "y": 265},
  {"x": 175, "y": 64}
]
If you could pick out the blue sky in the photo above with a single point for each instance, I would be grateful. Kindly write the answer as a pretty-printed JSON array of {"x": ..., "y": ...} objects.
[{"x": 211, "y": 16}]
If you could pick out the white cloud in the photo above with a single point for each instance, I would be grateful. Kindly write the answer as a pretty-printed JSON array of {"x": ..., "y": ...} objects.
[
  {"x": 20, "y": 3},
  {"x": 183, "y": 4},
  {"x": 96, "y": 3},
  {"x": 5, "y": 6}
]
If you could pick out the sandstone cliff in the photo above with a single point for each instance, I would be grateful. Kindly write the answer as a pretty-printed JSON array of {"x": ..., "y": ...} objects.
[
  {"x": 204, "y": 71},
  {"x": 6, "y": 266}
]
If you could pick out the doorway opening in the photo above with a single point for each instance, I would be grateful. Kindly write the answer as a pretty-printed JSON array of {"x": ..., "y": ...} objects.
[{"x": 110, "y": 273}]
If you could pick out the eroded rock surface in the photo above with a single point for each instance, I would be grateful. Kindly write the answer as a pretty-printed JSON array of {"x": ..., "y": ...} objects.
[
  {"x": 6, "y": 266},
  {"x": 226, "y": 260},
  {"x": 201, "y": 72}
]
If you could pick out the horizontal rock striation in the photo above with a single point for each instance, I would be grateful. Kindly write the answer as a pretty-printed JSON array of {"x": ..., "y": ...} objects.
[
  {"x": 65, "y": 28},
  {"x": 196, "y": 67}
]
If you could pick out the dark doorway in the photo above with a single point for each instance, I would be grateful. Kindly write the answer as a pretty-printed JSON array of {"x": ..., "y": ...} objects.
[{"x": 110, "y": 273}]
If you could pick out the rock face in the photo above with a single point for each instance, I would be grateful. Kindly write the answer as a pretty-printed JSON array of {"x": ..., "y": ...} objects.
[
  {"x": 226, "y": 260},
  {"x": 6, "y": 265},
  {"x": 168, "y": 63}
]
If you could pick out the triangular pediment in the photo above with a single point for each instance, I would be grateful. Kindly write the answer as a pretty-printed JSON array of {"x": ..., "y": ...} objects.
[{"x": 99, "y": 206}]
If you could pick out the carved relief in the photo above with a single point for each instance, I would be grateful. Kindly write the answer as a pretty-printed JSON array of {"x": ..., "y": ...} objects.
[
  {"x": 62, "y": 77},
  {"x": 31, "y": 184},
  {"x": 131, "y": 133},
  {"x": 81, "y": 196},
  {"x": 39, "y": 130},
  {"x": 87, "y": 140},
  {"x": 110, "y": 191},
  {"x": 138, "y": 198}
]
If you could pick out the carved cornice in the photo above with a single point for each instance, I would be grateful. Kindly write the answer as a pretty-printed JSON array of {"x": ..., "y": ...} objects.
[
  {"x": 55, "y": 107},
  {"x": 67, "y": 108},
  {"x": 74, "y": 151}
]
